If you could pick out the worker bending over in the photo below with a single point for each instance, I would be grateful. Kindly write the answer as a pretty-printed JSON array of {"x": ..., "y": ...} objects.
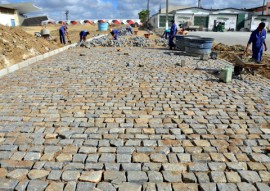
[
  {"x": 83, "y": 35},
  {"x": 114, "y": 33},
  {"x": 166, "y": 33},
  {"x": 129, "y": 29},
  {"x": 257, "y": 38}
]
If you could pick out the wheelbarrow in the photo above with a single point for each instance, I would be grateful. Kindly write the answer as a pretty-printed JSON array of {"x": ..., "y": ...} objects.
[{"x": 246, "y": 67}]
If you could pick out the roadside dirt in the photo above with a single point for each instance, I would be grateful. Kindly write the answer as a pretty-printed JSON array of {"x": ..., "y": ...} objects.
[
  {"x": 16, "y": 45},
  {"x": 227, "y": 53},
  {"x": 19, "y": 43}
]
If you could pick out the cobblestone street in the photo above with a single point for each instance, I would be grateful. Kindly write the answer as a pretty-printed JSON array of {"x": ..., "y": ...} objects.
[{"x": 132, "y": 120}]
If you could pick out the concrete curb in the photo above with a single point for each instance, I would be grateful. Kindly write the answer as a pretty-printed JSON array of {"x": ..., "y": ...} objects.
[{"x": 32, "y": 60}]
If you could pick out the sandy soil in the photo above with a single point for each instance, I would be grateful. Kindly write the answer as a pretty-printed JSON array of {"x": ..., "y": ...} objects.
[
  {"x": 227, "y": 53},
  {"x": 19, "y": 43},
  {"x": 74, "y": 30}
]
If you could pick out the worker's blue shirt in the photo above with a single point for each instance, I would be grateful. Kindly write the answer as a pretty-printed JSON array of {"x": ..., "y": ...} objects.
[
  {"x": 63, "y": 29},
  {"x": 115, "y": 32},
  {"x": 257, "y": 39},
  {"x": 83, "y": 33},
  {"x": 173, "y": 30}
]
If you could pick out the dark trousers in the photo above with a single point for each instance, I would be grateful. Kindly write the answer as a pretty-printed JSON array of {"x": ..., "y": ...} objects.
[
  {"x": 171, "y": 43},
  {"x": 62, "y": 37},
  {"x": 257, "y": 54},
  {"x": 129, "y": 30}
]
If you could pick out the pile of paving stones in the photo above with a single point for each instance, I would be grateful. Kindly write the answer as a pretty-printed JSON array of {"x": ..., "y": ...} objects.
[{"x": 124, "y": 41}]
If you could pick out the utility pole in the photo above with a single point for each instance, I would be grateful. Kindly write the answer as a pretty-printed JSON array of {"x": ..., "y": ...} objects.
[
  {"x": 148, "y": 4},
  {"x": 167, "y": 18},
  {"x": 67, "y": 12},
  {"x": 199, "y": 4},
  {"x": 263, "y": 7}
]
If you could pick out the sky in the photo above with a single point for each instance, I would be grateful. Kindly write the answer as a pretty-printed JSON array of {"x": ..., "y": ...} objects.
[{"x": 120, "y": 9}]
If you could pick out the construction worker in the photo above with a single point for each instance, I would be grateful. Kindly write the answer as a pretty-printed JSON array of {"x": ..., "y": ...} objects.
[
  {"x": 129, "y": 29},
  {"x": 257, "y": 38},
  {"x": 114, "y": 33},
  {"x": 173, "y": 32},
  {"x": 166, "y": 33},
  {"x": 62, "y": 32},
  {"x": 83, "y": 35}
]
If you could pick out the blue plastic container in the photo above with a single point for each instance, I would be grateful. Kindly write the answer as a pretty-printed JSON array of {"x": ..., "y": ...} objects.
[
  {"x": 198, "y": 46},
  {"x": 180, "y": 42},
  {"x": 103, "y": 26}
]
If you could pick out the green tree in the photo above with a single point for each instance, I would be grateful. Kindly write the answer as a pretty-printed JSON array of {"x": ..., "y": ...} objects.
[{"x": 143, "y": 15}]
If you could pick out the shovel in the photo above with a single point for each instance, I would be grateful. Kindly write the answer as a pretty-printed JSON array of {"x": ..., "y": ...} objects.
[{"x": 69, "y": 41}]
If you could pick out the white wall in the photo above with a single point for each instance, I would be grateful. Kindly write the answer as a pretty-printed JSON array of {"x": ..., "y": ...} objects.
[
  {"x": 154, "y": 21},
  {"x": 193, "y": 11},
  {"x": 183, "y": 18},
  {"x": 255, "y": 23},
  {"x": 5, "y": 19},
  {"x": 230, "y": 23}
]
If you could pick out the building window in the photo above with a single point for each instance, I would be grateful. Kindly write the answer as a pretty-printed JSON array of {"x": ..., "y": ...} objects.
[
  {"x": 162, "y": 20},
  {"x": 7, "y": 11}
]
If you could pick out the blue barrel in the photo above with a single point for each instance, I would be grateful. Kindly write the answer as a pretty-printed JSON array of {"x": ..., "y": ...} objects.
[
  {"x": 198, "y": 46},
  {"x": 180, "y": 42},
  {"x": 103, "y": 26}
]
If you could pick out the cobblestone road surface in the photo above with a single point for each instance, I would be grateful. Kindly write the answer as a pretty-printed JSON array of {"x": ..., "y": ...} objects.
[{"x": 132, "y": 120}]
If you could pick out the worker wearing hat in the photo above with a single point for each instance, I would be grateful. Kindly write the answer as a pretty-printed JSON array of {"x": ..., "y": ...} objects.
[
  {"x": 83, "y": 35},
  {"x": 114, "y": 33},
  {"x": 257, "y": 38},
  {"x": 62, "y": 32},
  {"x": 173, "y": 32}
]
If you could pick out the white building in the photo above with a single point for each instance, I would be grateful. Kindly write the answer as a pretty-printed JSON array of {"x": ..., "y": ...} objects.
[
  {"x": 253, "y": 22},
  {"x": 14, "y": 14},
  {"x": 234, "y": 19}
]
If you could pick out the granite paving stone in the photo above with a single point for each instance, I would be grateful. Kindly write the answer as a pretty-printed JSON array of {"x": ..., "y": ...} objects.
[
  {"x": 55, "y": 175},
  {"x": 149, "y": 186},
  {"x": 91, "y": 122},
  {"x": 22, "y": 185},
  {"x": 8, "y": 184},
  {"x": 137, "y": 176},
  {"x": 250, "y": 176},
  {"x": 17, "y": 174},
  {"x": 55, "y": 186},
  {"x": 208, "y": 187},
  {"x": 93, "y": 176},
  {"x": 105, "y": 186},
  {"x": 70, "y": 186},
  {"x": 129, "y": 186},
  {"x": 155, "y": 176},
  {"x": 35, "y": 185},
  {"x": 243, "y": 186},
  {"x": 227, "y": 187},
  {"x": 38, "y": 174},
  {"x": 70, "y": 175},
  {"x": 164, "y": 187}
]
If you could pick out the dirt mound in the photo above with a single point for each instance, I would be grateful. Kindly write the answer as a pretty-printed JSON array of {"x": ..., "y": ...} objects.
[
  {"x": 223, "y": 47},
  {"x": 227, "y": 53},
  {"x": 16, "y": 45}
]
